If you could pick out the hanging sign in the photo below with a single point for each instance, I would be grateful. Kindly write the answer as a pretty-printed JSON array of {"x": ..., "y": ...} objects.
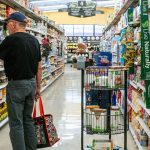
[
  {"x": 82, "y": 9},
  {"x": 145, "y": 44}
]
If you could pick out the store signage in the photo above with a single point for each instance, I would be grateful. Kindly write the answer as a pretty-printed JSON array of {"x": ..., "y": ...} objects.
[
  {"x": 145, "y": 55},
  {"x": 82, "y": 9},
  {"x": 147, "y": 94}
]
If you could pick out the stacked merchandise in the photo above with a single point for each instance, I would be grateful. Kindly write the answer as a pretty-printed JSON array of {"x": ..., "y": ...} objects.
[
  {"x": 3, "y": 106},
  {"x": 130, "y": 31},
  {"x": 102, "y": 114},
  {"x": 50, "y": 38},
  {"x": 53, "y": 65},
  {"x": 3, "y": 79}
]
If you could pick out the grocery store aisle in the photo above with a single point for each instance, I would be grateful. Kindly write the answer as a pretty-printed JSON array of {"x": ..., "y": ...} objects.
[{"x": 62, "y": 100}]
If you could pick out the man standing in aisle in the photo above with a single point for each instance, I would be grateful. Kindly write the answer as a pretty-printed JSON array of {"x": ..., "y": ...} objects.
[{"x": 22, "y": 62}]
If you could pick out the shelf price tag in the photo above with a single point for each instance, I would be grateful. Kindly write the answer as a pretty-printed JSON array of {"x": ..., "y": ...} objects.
[{"x": 145, "y": 54}]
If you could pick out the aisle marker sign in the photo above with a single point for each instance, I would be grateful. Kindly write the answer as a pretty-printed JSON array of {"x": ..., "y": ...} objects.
[{"x": 145, "y": 42}]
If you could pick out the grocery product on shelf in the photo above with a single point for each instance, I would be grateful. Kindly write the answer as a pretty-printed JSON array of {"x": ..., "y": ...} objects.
[
  {"x": 128, "y": 33},
  {"x": 49, "y": 36}
]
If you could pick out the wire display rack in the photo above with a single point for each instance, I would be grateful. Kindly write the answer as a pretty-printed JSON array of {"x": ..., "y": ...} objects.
[
  {"x": 96, "y": 122},
  {"x": 100, "y": 114}
]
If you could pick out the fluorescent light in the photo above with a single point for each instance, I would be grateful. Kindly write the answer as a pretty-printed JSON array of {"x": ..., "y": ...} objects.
[
  {"x": 52, "y": 1},
  {"x": 54, "y": 6}
]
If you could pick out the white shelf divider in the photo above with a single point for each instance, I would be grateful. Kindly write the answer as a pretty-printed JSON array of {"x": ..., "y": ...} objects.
[
  {"x": 3, "y": 86},
  {"x": 43, "y": 89},
  {"x": 135, "y": 139},
  {"x": 133, "y": 107},
  {"x": 1, "y": 69},
  {"x": 3, "y": 122},
  {"x": 46, "y": 76},
  {"x": 3, "y": 100},
  {"x": 44, "y": 65},
  {"x": 141, "y": 86},
  {"x": 57, "y": 68},
  {"x": 34, "y": 30},
  {"x": 143, "y": 106},
  {"x": 133, "y": 84},
  {"x": 144, "y": 126}
]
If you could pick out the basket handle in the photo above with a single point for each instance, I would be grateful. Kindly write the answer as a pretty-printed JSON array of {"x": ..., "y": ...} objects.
[{"x": 40, "y": 107}]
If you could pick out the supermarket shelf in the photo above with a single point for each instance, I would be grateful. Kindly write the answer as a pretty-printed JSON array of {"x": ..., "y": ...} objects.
[
  {"x": 51, "y": 56},
  {"x": 29, "y": 13},
  {"x": 3, "y": 122},
  {"x": 51, "y": 83},
  {"x": 48, "y": 65},
  {"x": 134, "y": 24},
  {"x": 57, "y": 68},
  {"x": 36, "y": 31},
  {"x": 141, "y": 86},
  {"x": 134, "y": 84},
  {"x": 133, "y": 107},
  {"x": 143, "y": 106},
  {"x": 122, "y": 11},
  {"x": 135, "y": 138},
  {"x": 137, "y": 85},
  {"x": 3, "y": 86},
  {"x": 1, "y": 69},
  {"x": 44, "y": 65},
  {"x": 1, "y": 20},
  {"x": 59, "y": 60},
  {"x": 3, "y": 100},
  {"x": 144, "y": 126},
  {"x": 122, "y": 111},
  {"x": 46, "y": 76}
]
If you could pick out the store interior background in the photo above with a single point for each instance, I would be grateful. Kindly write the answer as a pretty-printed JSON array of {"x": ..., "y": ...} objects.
[{"x": 64, "y": 40}]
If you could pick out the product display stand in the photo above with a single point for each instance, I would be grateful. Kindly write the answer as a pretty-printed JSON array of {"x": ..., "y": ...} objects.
[
  {"x": 103, "y": 81},
  {"x": 82, "y": 109},
  {"x": 125, "y": 111}
]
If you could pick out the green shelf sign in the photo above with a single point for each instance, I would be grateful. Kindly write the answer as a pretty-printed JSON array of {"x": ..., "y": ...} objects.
[
  {"x": 145, "y": 41},
  {"x": 147, "y": 94}
]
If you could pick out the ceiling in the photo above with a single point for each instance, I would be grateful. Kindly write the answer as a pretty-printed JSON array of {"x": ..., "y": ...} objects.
[{"x": 55, "y": 5}]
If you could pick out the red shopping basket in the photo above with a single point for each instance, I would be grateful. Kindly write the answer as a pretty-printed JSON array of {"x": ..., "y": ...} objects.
[{"x": 45, "y": 130}]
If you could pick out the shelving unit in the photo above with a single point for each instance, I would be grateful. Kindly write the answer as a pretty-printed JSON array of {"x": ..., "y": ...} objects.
[
  {"x": 135, "y": 139},
  {"x": 46, "y": 76},
  {"x": 141, "y": 103},
  {"x": 36, "y": 31},
  {"x": 3, "y": 86},
  {"x": 48, "y": 29},
  {"x": 144, "y": 126},
  {"x": 122, "y": 11},
  {"x": 56, "y": 69},
  {"x": 29, "y": 13},
  {"x": 1, "y": 69},
  {"x": 3, "y": 122},
  {"x": 134, "y": 84},
  {"x": 129, "y": 20},
  {"x": 133, "y": 107},
  {"x": 3, "y": 100},
  {"x": 43, "y": 89}
]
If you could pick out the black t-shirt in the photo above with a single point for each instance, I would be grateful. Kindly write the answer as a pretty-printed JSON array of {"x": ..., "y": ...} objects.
[{"x": 21, "y": 54}]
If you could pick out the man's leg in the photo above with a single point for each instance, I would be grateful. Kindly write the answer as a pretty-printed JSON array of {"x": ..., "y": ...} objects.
[
  {"x": 15, "y": 104},
  {"x": 29, "y": 130}
]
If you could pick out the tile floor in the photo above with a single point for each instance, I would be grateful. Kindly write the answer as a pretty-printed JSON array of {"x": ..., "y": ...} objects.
[{"x": 62, "y": 100}]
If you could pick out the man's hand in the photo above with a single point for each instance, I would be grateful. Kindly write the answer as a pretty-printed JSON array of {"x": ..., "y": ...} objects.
[{"x": 37, "y": 94}]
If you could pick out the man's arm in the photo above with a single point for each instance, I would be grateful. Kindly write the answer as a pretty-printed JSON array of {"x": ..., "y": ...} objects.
[{"x": 38, "y": 81}]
